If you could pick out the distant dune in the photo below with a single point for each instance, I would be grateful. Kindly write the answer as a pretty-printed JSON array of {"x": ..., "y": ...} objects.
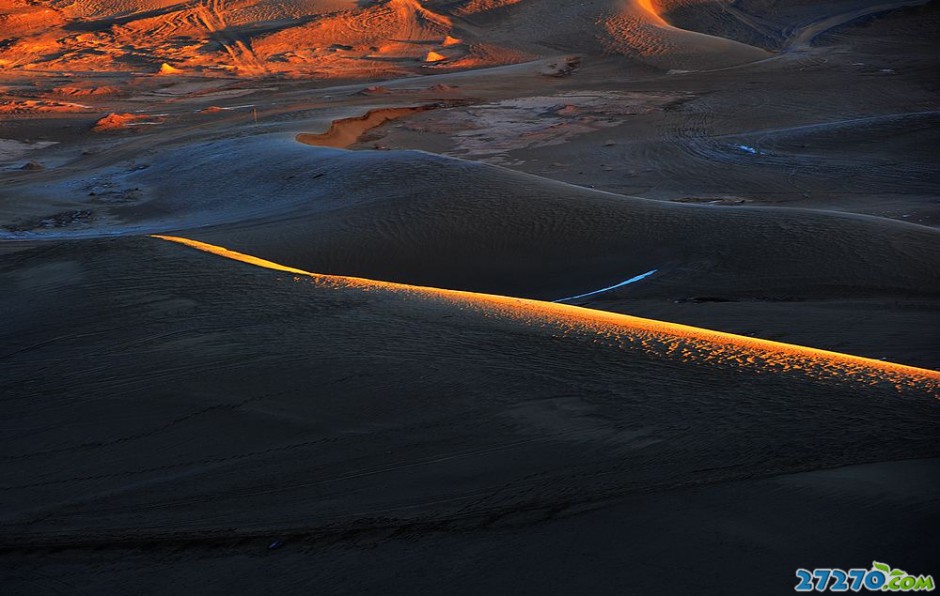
[
  {"x": 330, "y": 39},
  {"x": 640, "y": 29},
  {"x": 384, "y": 38},
  {"x": 339, "y": 39}
]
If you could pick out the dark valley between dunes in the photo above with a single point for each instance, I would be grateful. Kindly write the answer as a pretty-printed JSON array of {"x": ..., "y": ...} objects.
[{"x": 469, "y": 296}]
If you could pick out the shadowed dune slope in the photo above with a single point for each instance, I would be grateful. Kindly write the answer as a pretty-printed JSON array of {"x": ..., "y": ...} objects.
[
  {"x": 810, "y": 515},
  {"x": 465, "y": 225},
  {"x": 771, "y": 24},
  {"x": 856, "y": 284},
  {"x": 689, "y": 344},
  {"x": 722, "y": 19},
  {"x": 232, "y": 396},
  {"x": 830, "y": 280}
]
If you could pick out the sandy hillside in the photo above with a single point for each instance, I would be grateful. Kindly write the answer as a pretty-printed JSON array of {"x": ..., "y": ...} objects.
[
  {"x": 466, "y": 296},
  {"x": 508, "y": 233},
  {"x": 332, "y": 38},
  {"x": 312, "y": 427},
  {"x": 343, "y": 39}
]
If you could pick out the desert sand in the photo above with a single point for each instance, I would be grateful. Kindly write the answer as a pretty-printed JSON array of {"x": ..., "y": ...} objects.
[{"x": 476, "y": 296}]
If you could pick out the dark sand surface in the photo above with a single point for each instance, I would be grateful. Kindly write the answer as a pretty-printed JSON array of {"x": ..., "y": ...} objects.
[
  {"x": 766, "y": 168},
  {"x": 267, "y": 405},
  {"x": 686, "y": 540}
]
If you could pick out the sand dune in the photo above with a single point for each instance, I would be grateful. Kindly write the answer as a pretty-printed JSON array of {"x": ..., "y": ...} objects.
[
  {"x": 345, "y": 39},
  {"x": 480, "y": 6},
  {"x": 342, "y": 39},
  {"x": 639, "y": 29},
  {"x": 326, "y": 39},
  {"x": 637, "y": 296},
  {"x": 216, "y": 292},
  {"x": 688, "y": 344},
  {"x": 330, "y": 397},
  {"x": 774, "y": 25},
  {"x": 497, "y": 231},
  {"x": 750, "y": 23},
  {"x": 368, "y": 225}
]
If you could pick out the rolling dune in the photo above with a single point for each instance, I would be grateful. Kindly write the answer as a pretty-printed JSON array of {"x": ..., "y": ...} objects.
[
  {"x": 346, "y": 39},
  {"x": 639, "y": 29},
  {"x": 342, "y": 39},
  {"x": 466, "y": 296},
  {"x": 325, "y": 39},
  {"x": 688, "y": 344},
  {"x": 476, "y": 227},
  {"x": 490, "y": 221},
  {"x": 262, "y": 409}
]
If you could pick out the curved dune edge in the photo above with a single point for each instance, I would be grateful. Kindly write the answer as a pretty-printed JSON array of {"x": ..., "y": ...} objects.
[
  {"x": 647, "y": 6},
  {"x": 659, "y": 338},
  {"x": 639, "y": 29}
]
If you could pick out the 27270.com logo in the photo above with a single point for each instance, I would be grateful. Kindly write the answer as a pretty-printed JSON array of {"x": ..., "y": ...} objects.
[{"x": 880, "y": 578}]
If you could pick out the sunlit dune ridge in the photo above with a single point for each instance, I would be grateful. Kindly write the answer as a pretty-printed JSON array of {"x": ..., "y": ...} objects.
[
  {"x": 647, "y": 6},
  {"x": 659, "y": 338},
  {"x": 638, "y": 28}
]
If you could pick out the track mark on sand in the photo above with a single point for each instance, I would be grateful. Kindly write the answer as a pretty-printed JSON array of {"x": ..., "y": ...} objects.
[
  {"x": 634, "y": 279},
  {"x": 661, "y": 339}
]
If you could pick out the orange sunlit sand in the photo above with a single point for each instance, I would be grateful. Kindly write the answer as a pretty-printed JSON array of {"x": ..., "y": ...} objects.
[
  {"x": 346, "y": 131},
  {"x": 334, "y": 38},
  {"x": 690, "y": 344}
]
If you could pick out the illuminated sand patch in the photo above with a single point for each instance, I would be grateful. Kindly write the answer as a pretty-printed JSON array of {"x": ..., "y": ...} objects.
[
  {"x": 326, "y": 39},
  {"x": 477, "y": 6},
  {"x": 20, "y": 107},
  {"x": 166, "y": 69},
  {"x": 648, "y": 8},
  {"x": 116, "y": 121},
  {"x": 657, "y": 338},
  {"x": 346, "y": 131}
]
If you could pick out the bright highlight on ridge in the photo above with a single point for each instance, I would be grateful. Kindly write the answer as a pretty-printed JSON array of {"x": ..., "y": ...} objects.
[{"x": 659, "y": 338}]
